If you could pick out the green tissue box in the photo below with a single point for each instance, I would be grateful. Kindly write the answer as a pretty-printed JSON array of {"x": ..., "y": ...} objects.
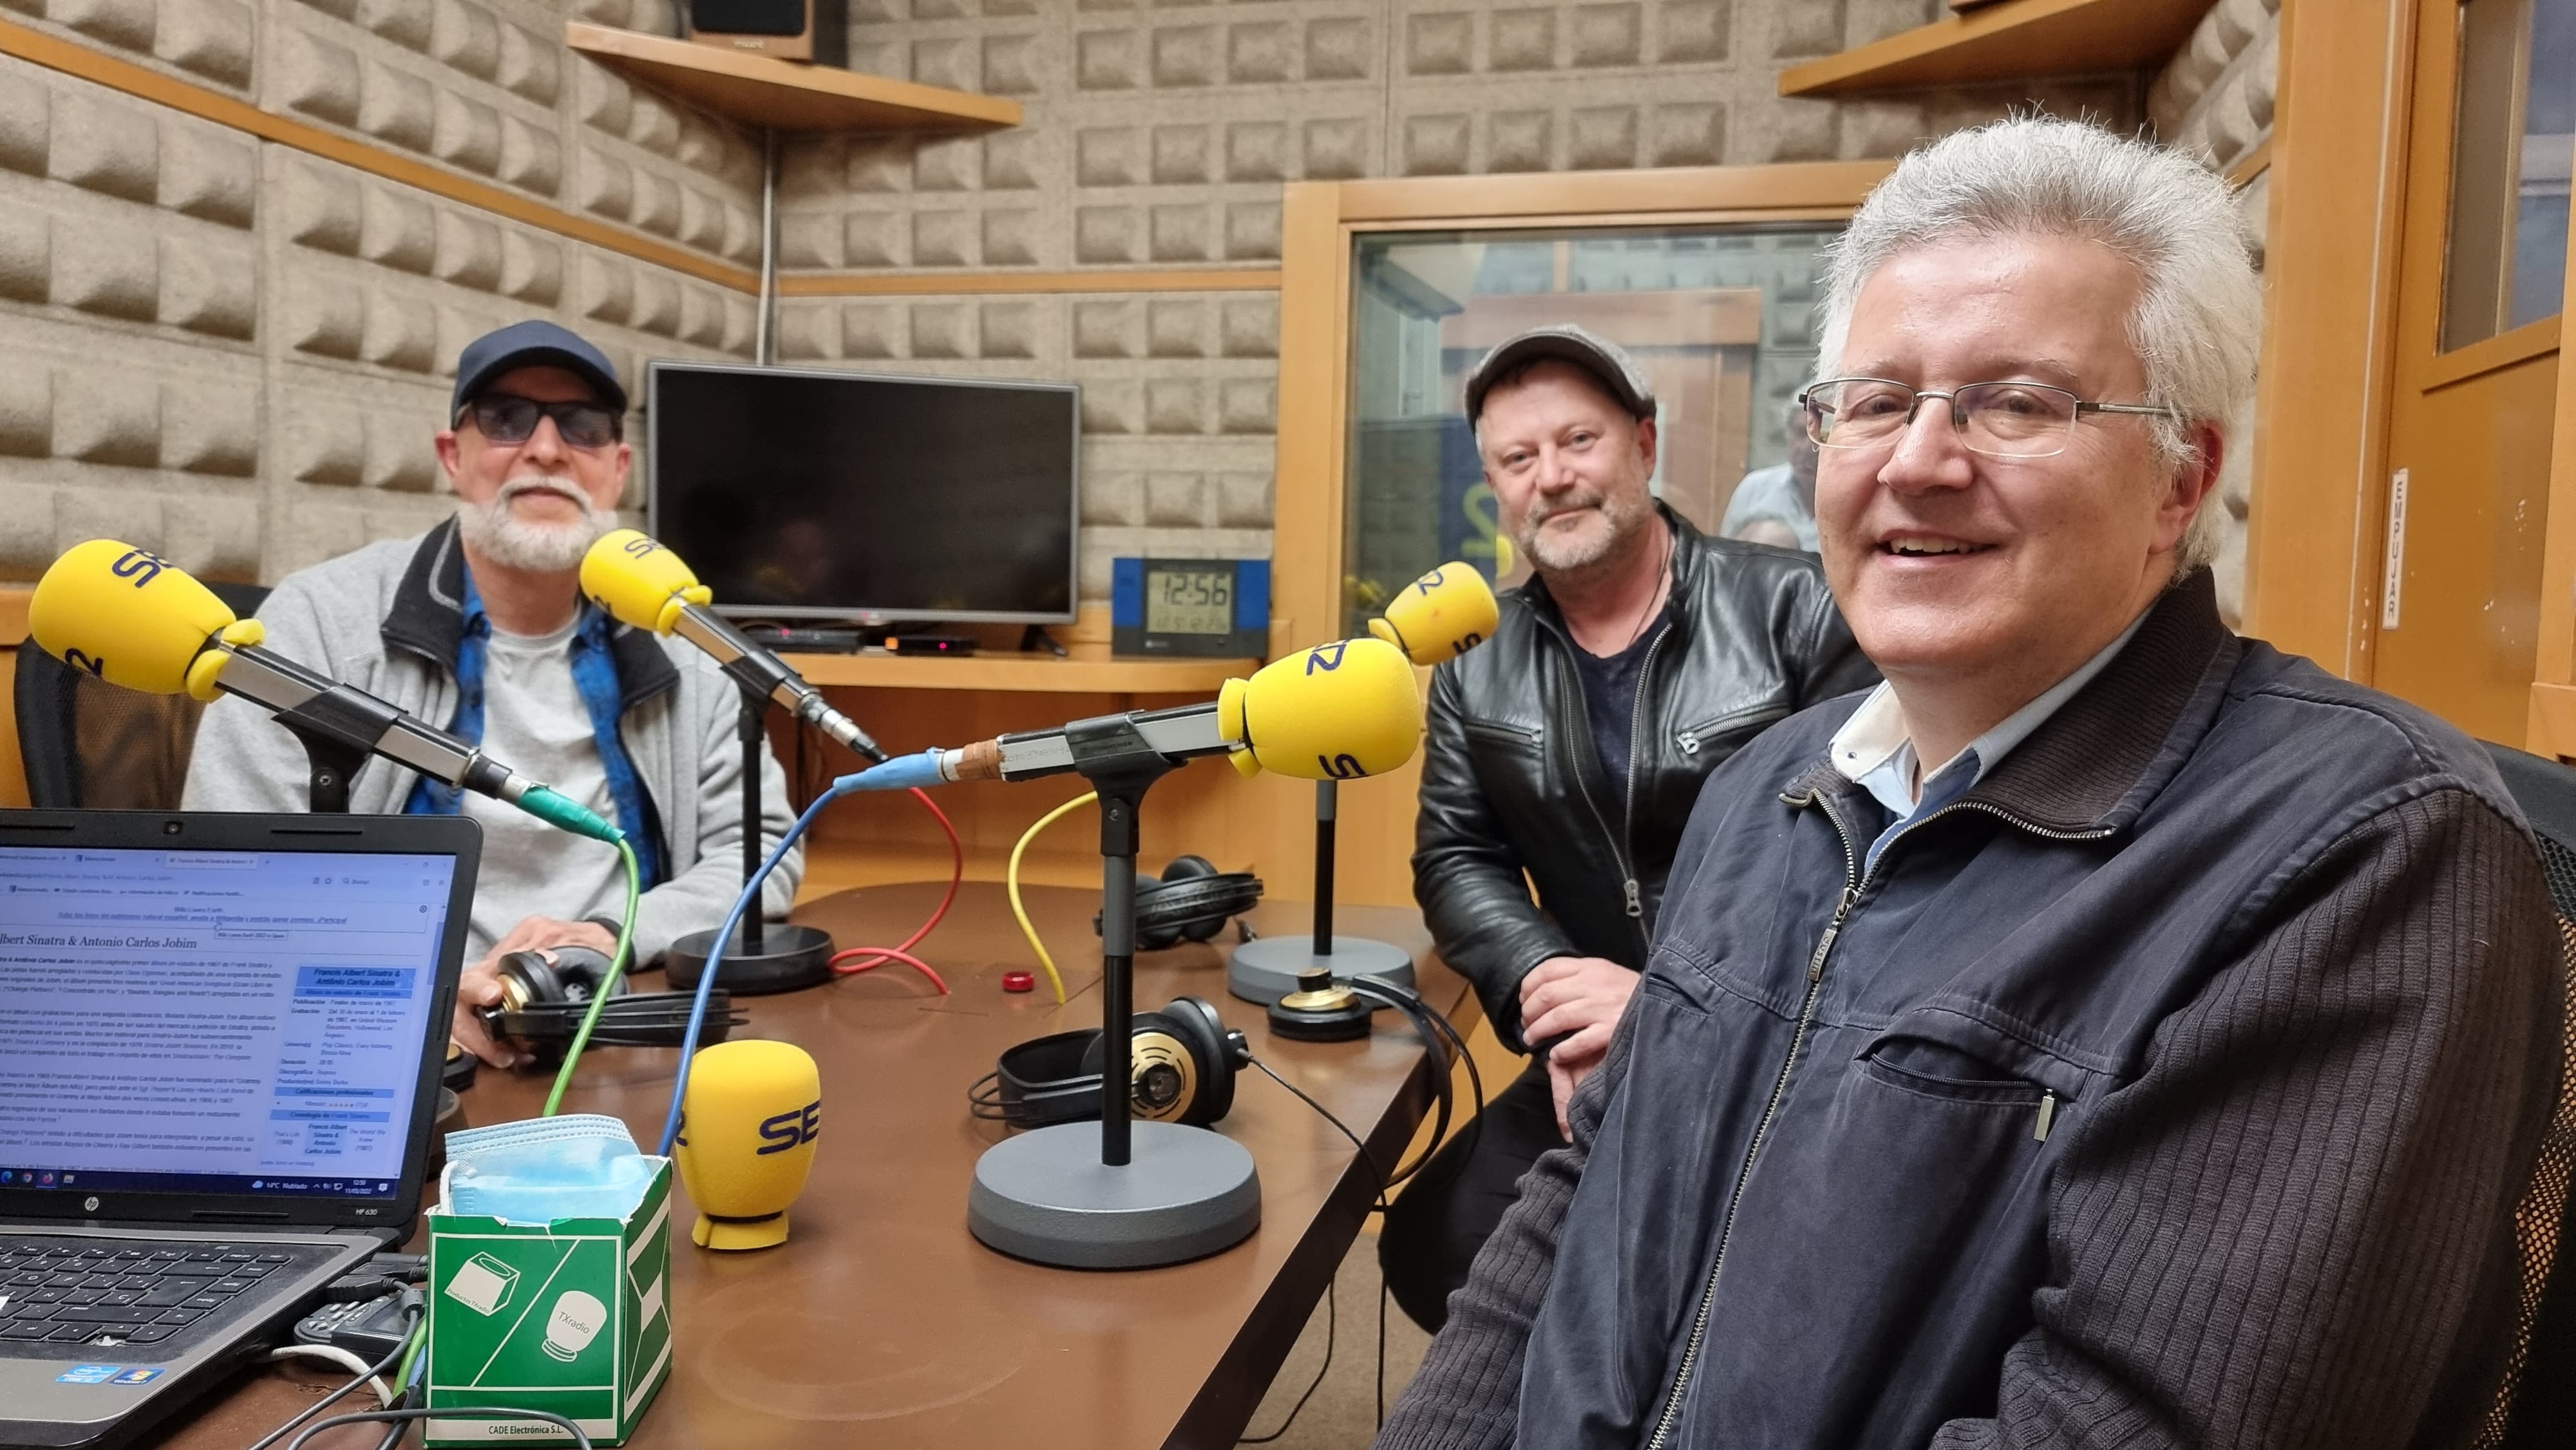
[{"x": 571, "y": 1317}]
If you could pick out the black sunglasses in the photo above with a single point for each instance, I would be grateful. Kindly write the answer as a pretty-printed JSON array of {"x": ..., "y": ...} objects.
[{"x": 509, "y": 418}]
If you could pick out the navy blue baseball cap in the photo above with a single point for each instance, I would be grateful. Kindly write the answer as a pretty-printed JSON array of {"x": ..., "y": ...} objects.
[{"x": 534, "y": 343}]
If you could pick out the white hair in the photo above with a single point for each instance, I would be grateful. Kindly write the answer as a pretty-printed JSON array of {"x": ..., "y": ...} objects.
[{"x": 2198, "y": 319}]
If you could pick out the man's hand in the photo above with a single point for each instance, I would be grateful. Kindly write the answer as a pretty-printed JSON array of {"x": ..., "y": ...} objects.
[
  {"x": 481, "y": 985},
  {"x": 1578, "y": 999}
]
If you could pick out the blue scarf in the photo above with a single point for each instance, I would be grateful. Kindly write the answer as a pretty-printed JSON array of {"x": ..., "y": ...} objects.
[{"x": 594, "y": 675}]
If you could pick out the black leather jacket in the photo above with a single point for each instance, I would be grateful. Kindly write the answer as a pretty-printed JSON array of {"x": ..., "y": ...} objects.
[{"x": 1512, "y": 783}]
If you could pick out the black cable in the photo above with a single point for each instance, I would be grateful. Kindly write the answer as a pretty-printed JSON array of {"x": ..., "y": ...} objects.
[
  {"x": 1381, "y": 1207},
  {"x": 1419, "y": 1013},
  {"x": 411, "y": 1318},
  {"x": 1326, "y": 1113},
  {"x": 395, "y": 1432},
  {"x": 1329, "y": 1317},
  {"x": 1425, "y": 1021},
  {"x": 478, "y": 1412},
  {"x": 1475, "y": 1079},
  {"x": 984, "y": 1098},
  {"x": 1413, "y": 1011}
]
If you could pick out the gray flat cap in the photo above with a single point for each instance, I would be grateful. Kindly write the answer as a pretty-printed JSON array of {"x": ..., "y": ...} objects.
[{"x": 1564, "y": 342}]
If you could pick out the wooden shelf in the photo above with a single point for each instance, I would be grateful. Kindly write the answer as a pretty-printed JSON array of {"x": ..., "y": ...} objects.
[
  {"x": 1040, "y": 674},
  {"x": 2008, "y": 41},
  {"x": 783, "y": 95}
]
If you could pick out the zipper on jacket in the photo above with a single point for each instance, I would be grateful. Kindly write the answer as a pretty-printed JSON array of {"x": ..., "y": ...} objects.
[
  {"x": 1617, "y": 840},
  {"x": 1689, "y": 740},
  {"x": 1636, "y": 744},
  {"x": 1853, "y": 883}
]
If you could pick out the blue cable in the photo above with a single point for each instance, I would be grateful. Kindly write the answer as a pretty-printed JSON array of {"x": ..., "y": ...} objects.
[
  {"x": 904, "y": 772},
  {"x": 715, "y": 958}
]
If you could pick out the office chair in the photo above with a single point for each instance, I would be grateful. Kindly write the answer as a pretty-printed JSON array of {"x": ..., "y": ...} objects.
[
  {"x": 87, "y": 743},
  {"x": 2540, "y": 1407}
]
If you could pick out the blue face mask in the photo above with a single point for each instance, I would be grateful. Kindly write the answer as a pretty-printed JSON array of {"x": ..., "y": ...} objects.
[{"x": 580, "y": 1165}]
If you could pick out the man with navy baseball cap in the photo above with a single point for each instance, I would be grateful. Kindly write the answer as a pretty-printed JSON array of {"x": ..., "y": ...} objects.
[{"x": 479, "y": 625}]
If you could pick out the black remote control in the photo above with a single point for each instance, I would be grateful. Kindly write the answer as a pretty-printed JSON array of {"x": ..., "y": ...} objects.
[{"x": 369, "y": 1330}]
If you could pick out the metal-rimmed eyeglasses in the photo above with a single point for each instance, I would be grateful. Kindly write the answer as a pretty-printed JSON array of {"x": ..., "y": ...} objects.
[
  {"x": 1999, "y": 420},
  {"x": 507, "y": 418}
]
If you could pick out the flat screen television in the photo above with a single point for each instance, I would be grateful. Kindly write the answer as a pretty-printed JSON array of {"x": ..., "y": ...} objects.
[{"x": 802, "y": 494}]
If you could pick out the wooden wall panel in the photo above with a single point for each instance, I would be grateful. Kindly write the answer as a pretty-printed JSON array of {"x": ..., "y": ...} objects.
[
  {"x": 2337, "y": 166},
  {"x": 2553, "y": 690}
]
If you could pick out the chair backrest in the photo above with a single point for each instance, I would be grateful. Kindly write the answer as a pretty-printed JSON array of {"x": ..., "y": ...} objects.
[
  {"x": 87, "y": 743},
  {"x": 2538, "y": 1407}
]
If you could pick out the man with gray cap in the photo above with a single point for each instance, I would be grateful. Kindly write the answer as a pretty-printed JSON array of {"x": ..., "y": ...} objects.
[
  {"x": 479, "y": 626},
  {"x": 1565, "y": 753}
]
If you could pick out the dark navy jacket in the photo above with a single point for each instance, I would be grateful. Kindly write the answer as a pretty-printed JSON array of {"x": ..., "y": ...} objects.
[{"x": 2173, "y": 1086}]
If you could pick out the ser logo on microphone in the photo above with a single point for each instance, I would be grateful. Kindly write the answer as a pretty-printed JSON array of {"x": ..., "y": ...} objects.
[
  {"x": 640, "y": 547},
  {"x": 791, "y": 1129},
  {"x": 139, "y": 566}
]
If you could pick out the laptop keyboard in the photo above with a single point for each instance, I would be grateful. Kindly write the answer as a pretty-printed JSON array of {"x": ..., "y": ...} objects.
[{"x": 68, "y": 1291}]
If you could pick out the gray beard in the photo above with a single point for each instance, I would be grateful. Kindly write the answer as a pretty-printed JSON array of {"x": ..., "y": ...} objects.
[
  {"x": 1625, "y": 517},
  {"x": 491, "y": 530}
]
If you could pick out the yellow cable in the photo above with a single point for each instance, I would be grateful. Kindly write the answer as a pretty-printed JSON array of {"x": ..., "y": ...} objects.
[{"x": 1011, "y": 879}]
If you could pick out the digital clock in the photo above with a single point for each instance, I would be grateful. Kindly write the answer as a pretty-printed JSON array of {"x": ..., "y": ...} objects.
[{"x": 1215, "y": 608}]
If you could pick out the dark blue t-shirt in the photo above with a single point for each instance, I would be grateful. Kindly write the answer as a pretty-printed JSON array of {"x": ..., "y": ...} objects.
[{"x": 1610, "y": 700}]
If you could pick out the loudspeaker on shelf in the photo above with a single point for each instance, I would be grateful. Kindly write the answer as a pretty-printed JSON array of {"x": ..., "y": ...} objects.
[{"x": 807, "y": 30}]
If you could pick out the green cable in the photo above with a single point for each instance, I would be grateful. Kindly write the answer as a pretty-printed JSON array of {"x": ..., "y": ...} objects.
[
  {"x": 411, "y": 1351},
  {"x": 599, "y": 997}
]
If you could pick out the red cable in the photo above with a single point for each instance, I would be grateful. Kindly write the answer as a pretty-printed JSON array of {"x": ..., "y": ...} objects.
[
  {"x": 879, "y": 956},
  {"x": 893, "y": 954}
]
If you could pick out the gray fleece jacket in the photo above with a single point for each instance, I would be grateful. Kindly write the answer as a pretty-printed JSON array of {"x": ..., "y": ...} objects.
[{"x": 388, "y": 618}]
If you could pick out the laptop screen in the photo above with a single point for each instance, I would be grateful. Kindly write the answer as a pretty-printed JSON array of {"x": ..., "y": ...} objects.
[{"x": 214, "y": 1022}]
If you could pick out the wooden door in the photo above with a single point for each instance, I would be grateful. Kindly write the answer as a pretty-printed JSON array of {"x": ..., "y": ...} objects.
[{"x": 2475, "y": 372}]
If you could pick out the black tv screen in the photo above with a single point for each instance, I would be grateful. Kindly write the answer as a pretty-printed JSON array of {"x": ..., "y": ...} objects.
[{"x": 826, "y": 495}]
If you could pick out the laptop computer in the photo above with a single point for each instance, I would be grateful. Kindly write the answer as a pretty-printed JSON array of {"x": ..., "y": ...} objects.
[{"x": 220, "y": 1038}]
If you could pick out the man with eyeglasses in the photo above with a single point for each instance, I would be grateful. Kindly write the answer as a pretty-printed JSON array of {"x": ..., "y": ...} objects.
[
  {"x": 479, "y": 625},
  {"x": 2109, "y": 1031}
]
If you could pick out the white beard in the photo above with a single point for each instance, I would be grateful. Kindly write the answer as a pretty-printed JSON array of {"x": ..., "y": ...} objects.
[
  {"x": 1624, "y": 513},
  {"x": 513, "y": 543}
]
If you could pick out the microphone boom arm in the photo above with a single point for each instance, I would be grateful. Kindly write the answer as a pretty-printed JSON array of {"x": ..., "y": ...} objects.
[
  {"x": 341, "y": 725},
  {"x": 1181, "y": 733},
  {"x": 763, "y": 674}
]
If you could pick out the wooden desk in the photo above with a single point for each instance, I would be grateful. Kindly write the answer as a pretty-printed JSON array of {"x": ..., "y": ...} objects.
[{"x": 881, "y": 1321}]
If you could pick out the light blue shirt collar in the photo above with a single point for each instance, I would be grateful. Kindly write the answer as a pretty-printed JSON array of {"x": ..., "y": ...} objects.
[{"x": 1874, "y": 750}]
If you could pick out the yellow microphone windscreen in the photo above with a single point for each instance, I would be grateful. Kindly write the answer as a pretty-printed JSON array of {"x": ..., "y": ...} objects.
[
  {"x": 639, "y": 582},
  {"x": 1338, "y": 710},
  {"x": 126, "y": 616},
  {"x": 747, "y": 1130},
  {"x": 1439, "y": 616}
]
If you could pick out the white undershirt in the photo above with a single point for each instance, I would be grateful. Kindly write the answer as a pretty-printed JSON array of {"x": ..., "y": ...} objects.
[{"x": 534, "y": 722}]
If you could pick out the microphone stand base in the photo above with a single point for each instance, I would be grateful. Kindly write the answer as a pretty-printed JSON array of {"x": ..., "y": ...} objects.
[
  {"x": 1044, "y": 1195},
  {"x": 1265, "y": 969},
  {"x": 789, "y": 958}
]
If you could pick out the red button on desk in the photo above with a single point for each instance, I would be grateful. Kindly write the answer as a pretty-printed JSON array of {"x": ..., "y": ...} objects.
[{"x": 1019, "y": 982}]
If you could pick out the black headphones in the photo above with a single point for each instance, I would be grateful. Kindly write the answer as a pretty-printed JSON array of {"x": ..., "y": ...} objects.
[
  {"x": 1190, "y": 901},
  {"x": 1183, "y": 1064},
  {"x": 543, "y": 1002}
]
